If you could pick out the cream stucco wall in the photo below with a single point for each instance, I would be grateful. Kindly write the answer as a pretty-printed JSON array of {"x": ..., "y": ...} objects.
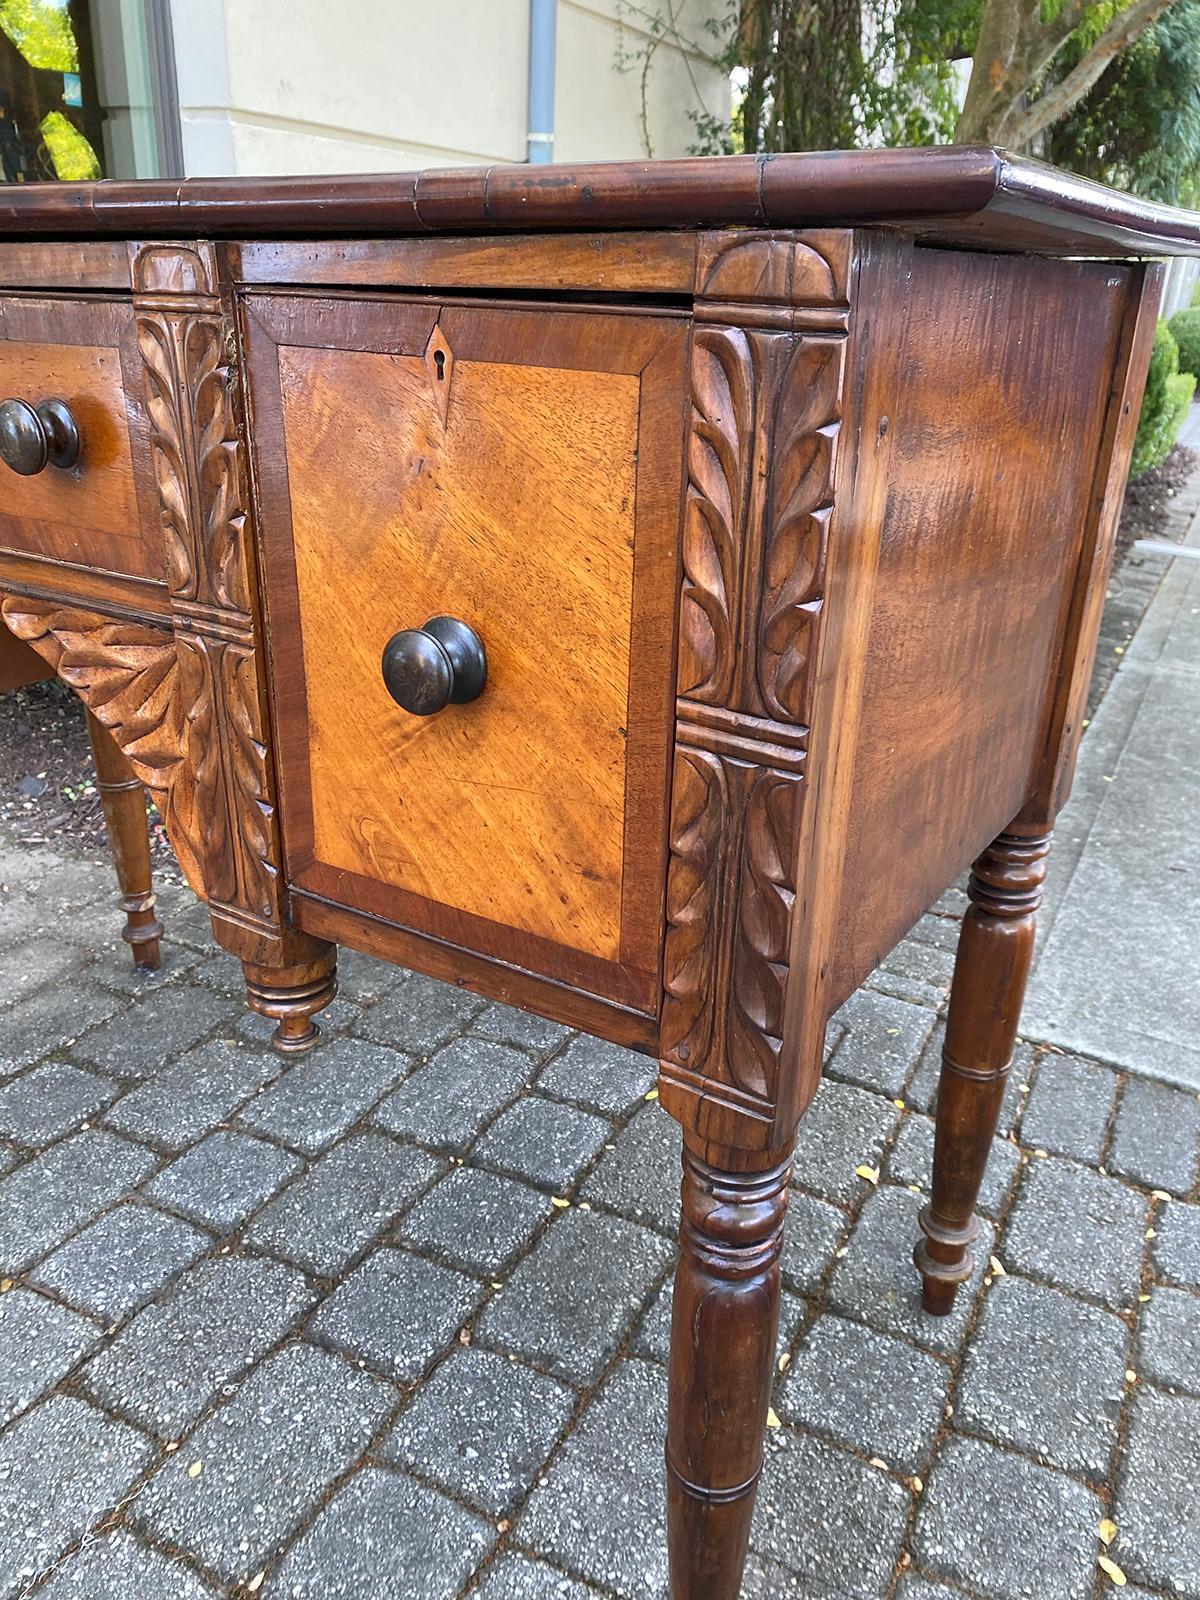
[{"x": 287, "y": 86}]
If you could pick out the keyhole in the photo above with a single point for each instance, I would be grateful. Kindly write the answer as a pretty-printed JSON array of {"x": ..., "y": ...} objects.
[{"x": 439, "y": 361}]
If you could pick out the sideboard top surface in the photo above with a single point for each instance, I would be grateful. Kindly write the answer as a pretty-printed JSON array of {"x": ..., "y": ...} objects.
[{"x": 968, "y": 196}]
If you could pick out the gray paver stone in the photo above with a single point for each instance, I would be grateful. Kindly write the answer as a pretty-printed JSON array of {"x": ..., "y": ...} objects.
[
  {"x": 298, "y": 1422},
  {"x": 1156, "y": 1137},
  {"x": 475, "y": 1219},
  {"x": 639, "y": 1175},
  {"x": 197, "y": 1092},
  {"x": 116, "y": 1263},
  {"x": 117, "y": 1567},
  {"x": 1169, "y": 1340},
  {"x": 925, "y": 1589},
  {"x": 386, "y": 1536},
  {"x": 418, "y": 1014},
  {"x": 346, "y": 1201},
  {"x": 543, "y": 1142},
  {"x": 1046, "y": 1374},
  {"x": 845, "y": 1127},
  {"x": 62, "y": 1466},
  {"x": 177, "y": 1355},
  {"x": 42, "y": 1025},
  {"x": 507, "y": 1025},
  {"x": 50, "y": 1101},
  {"x": 1176, "y": 1247},
  {"x": 977, "y": 1495},
  {"x": 45, "y": 1199},
  {"x": 866, "y": 1390},
  {"x": 603, "y": 1077},
  {"x": 447, "y": 1101},
  {"x": 876, "y": 1282},
  {"x": 1069, "y": 1107},
  {"x": 396, "y": 1312},
  {"x": 516, "y": 1577},
  {"x": 1078, "y": 1230},
  {"x": 1158, "y": 1494},
  {"x": 481, "y": 1428},
  {"x": 326, "y": 1093},
  {"x": 568, "y": 1304},
  {"x": 39, "y": 1344},
  {"x": 31, "y": 965},
  {"x": 598, "y": 1509},
  {"x": 143, "y": 1037},
  {"x": 221, "y": 1180},
  {"x": 834, "y": 1520},
  {"x": 883, "y": 1038},
  {"x": 810, "y": 1238}
]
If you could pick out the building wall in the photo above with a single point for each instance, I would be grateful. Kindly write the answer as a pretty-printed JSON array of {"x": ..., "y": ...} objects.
[{"x": 288, "y": 86}]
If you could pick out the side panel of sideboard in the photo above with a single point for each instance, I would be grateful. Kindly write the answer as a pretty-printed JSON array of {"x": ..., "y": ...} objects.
[{"x": 1006, "y": 370}]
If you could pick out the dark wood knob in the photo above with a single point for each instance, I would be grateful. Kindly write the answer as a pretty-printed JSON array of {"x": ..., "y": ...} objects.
[
  {"x": 441, "y": 664},
  {"x": 32, "y": 437}
]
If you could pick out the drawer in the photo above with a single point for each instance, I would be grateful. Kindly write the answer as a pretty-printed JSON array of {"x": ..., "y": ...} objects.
[
  {"x": 517, "y": 468},
  {"x": 100, "y": 512}
]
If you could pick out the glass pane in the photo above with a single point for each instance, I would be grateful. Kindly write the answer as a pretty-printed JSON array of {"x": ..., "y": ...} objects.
[{"x": 76, "y": 97}]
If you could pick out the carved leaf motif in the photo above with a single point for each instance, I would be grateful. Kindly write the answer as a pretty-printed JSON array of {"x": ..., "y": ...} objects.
[
  {"x": 729, "y": 813},
  {"x": 722, "y": 419},
  {"x": 127, "y": 674},
  {"x": 802, "y": 500},
  {"x": 766, "y": 895},
  {"x": 699, "y": 810},
  {"x": 202, "y": 800},
  {"x": 197, "y": 459},
  {"x": 219, "y": 490},
  {"x": 161, "y": 389},
  {"x": 123, "y": 671},
  {"x": 253, "y": 814}
]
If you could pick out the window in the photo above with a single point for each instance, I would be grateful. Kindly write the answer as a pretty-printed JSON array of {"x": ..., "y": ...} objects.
[{"x": 87, "y": 90}]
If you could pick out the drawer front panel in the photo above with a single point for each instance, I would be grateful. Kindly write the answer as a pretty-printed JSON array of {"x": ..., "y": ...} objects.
[
  {"x": 519, "y": 470},
  {"x": 99, "y": 512}
]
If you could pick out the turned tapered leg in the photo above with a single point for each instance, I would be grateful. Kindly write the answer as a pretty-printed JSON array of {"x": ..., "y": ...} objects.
[
  {"x": 293, "y": 995},
  {"x": 723, "y": 1330},
  {"x": 124, "y": 802},
  {"x": 994, "y": 952}
]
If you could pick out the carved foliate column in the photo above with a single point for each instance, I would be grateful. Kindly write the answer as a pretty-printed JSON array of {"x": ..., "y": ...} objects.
[
  {"x": 222, "y": 796},
  {"x": 767, "y": 373}
]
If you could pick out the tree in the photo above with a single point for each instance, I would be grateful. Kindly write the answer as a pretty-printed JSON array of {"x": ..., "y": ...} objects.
[
  {"x": 1138, "y": 127},
  {"x": 819, "y": 74},
  {"x": 1018, "y": 44}
]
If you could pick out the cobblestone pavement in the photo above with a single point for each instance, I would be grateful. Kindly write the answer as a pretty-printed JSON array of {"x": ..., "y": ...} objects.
[{"x": 392, "y": 1319}]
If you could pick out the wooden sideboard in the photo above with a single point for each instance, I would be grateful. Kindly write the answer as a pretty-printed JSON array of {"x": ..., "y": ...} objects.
[{"x": 633, "y": 592}]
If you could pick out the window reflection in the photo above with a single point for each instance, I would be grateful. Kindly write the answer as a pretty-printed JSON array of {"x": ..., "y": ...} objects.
[{"x": 50, "y": 117}]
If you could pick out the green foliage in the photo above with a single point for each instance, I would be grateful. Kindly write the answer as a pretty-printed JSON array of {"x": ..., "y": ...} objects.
[
  {"x": 42, "y": 32},
  {"x": 816, "y": 74},
  {"x": 1138, "y": 127},
  {"x": 1164, "y": 405},
  {"x": 73, "y": 157},
  {"x": 1185, "y": 330}
]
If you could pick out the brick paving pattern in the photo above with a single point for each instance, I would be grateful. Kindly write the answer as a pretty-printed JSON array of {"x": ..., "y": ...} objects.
[{"x": 393, "y": 1319}]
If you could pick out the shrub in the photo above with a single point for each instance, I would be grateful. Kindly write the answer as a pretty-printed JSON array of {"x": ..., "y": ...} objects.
[
  {"x": 1185, "y": 330},
  {"x": 1164, "y": 405}
]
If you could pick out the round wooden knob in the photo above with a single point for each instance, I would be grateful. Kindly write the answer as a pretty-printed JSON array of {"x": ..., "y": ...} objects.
[
  {"x": 32, "y": 437},
  {"x": 441, "y": 664}
]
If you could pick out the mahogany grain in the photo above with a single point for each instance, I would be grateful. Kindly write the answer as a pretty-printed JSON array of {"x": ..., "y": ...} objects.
[{"x": 786, "y": 536}]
